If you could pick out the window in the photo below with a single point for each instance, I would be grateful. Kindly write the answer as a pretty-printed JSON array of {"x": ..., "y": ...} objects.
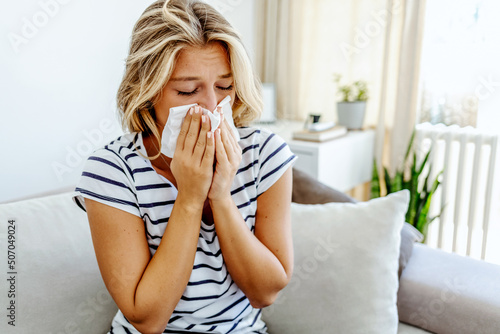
[{"x": 460, "y": 51}]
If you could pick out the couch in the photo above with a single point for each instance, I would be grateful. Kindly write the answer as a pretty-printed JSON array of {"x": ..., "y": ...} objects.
[{"x": 54, "y": 285}]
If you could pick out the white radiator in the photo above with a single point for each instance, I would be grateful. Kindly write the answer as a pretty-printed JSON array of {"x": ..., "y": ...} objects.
[{"x": 467, "y": 159}]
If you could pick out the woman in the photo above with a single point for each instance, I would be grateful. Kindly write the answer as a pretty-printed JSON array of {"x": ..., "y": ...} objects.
[{"x": 201, "y": 241}]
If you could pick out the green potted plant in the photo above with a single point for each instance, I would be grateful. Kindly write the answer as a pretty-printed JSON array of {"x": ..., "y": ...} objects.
[
  {"x": 352, "y": 105},
  {"x": 417, "y": 179}
]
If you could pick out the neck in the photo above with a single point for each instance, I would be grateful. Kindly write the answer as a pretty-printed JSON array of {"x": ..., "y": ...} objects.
[{"x": 162, "y": 162}]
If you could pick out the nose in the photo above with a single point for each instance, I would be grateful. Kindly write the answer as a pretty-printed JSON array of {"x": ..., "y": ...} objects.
[{"x": 209, "y": 100}]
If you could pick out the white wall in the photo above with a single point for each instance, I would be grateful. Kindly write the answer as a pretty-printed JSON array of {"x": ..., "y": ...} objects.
[
  {"x": 241, "y": 15},
  {"x": 61, "y": 64}
]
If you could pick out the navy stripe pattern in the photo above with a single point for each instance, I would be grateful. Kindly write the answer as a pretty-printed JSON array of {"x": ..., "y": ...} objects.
[{"x": 119, "y": 175}]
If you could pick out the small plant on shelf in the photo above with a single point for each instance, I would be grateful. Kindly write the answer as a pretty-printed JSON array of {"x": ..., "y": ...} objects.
[
  {"x": 354, "y": 92},
  {"x": 352, "y": 104}
]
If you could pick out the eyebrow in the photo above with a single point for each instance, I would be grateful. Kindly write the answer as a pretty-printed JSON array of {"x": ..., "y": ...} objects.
[{"x": 224, "y": 76}]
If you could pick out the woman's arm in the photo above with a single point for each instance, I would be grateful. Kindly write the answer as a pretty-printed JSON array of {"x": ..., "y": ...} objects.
[
  {"x": 147, "y": 289},
  {"x": 260, "y": 264}
]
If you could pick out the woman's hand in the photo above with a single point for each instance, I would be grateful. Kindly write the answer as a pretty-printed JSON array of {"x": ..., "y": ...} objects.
[
  {"x": 228, "y": 158},
  {"x": 192, "y": 164}
]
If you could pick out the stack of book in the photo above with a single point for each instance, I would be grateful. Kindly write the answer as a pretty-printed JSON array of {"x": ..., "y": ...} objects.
[{"x": 320, "y": 136}]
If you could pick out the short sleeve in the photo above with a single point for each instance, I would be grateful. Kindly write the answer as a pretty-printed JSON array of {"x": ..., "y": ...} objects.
[
  {"x": 107, "y": 178},
  {"x": 275, "y": 157}
]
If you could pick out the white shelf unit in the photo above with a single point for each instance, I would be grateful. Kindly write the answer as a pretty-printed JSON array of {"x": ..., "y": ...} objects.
[{"x": 342, "y": 163}]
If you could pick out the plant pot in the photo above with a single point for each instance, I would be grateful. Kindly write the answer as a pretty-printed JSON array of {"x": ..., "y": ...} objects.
[{"x": 351, "y": 114}]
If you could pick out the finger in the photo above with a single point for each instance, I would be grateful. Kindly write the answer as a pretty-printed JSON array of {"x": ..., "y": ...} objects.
[
  {"x": 233, "y": 139},
  {"x": 231, "y": 136},
  {"x": 194, "y": 130},
  {"x": 199, "y": 149},
  {"x": 228, "y": 141},
  {"x": 209, "y": 154},
  {"x": 184, "y": 130},
  {"x": 234, "y": 152},
  {"x": 206, "y": 112},
  {"x": 220, "y": 151}
]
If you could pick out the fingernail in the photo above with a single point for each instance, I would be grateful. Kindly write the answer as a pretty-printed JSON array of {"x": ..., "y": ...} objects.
[
  {"x": 191, "y": 111},
  {"x": 203, "y": 118},
  {"x": 196, "y": 109},
  {"x": 209, "y": 134}
]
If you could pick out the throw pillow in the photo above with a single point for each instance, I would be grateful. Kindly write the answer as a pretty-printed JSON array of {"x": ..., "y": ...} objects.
[
  {"x": 409, "y": 235},
  {"x": 308, "y": 190},
  {"x": 345, "y": 277}
]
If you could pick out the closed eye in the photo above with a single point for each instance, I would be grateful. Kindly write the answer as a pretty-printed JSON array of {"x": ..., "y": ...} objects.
[
  {"x": 230, "y": 87},
  {"x": 187, "y": 93}
]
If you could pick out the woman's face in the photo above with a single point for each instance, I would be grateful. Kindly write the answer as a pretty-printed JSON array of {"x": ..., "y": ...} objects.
[{"x": 202, "y": 76}]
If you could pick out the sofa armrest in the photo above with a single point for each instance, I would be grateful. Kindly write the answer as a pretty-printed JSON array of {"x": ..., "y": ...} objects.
[{"x": 448, "y": 293}]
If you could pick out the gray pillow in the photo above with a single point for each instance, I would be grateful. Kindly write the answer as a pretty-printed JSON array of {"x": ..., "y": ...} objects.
[
  {"x": 409, "y": 235},
  {"x": 307, "y": 190}
]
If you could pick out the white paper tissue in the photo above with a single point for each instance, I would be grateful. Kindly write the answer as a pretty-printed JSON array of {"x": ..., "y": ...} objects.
[{"x": 177, "y": 115}]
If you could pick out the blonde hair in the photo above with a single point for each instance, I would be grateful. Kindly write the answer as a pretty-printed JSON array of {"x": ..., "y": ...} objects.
[{"x": 162, "y": 31}]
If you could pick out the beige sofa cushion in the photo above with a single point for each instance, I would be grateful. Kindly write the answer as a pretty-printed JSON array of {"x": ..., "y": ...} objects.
[
  {"x": 58, "y": 285},
  {"x": 447, "y": 293}
]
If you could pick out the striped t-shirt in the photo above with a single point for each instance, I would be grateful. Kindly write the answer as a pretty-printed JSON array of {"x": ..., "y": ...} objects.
[{"x": 119, "y": 176}]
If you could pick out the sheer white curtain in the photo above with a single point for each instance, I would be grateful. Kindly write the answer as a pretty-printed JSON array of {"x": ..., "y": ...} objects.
[
  {"x": 301, "y": 44},
  {"x": 400, "y": 79},
  {"x": 278, "y": 54}
]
